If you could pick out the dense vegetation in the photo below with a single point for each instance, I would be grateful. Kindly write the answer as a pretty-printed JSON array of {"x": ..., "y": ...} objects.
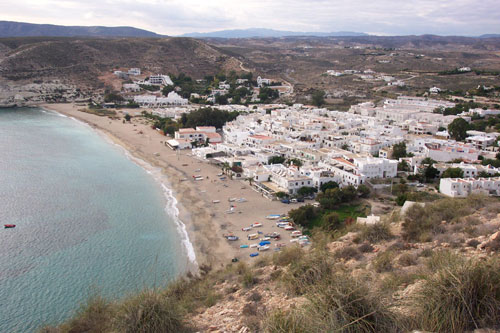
[{"x": 200, "y": 117}]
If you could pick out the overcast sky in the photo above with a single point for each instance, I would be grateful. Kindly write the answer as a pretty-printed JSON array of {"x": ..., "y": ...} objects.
[{"x": 172, "y": 17}]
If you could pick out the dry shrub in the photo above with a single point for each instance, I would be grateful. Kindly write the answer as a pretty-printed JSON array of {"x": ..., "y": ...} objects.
[
  {"x": 463, "y": 295},
  {"x": 347, "y": 253},
  {"x": 149, "y": 312},
  {"x": 407, "y": 259}
]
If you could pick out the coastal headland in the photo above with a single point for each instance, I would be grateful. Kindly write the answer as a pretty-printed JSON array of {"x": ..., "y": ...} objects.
[{"x": 206, "y": 222}]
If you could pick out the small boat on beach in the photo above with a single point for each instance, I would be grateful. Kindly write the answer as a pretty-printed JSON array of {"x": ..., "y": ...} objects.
[
  {"x": 273, "y": 235},
  {"x": 256, "y": 225},
  {"x": 254, "y": 254},
  {"x": 9, "y": 226},
  {"x": 220, "y": 174},
  {"x": 183, "y": 179},
  {"x": 263, "y": 248},
  {"x": 244, "y": 246},
  {"x": 273, "y": 217},
  {"x": 253, "y": 246},
  {"x": 197, "y": 170},
  {"x": 232, "y": 238},
  {"x": 296, "y": 233},
  {"x": 215, "y": 201},
  {"x": 289, "y": 228},
  {"x": 232, "y": 199},
  {"x": 246, "y": 229},
  {"x": 265, "y": 239},
  {"x": 253, "y": 236}
]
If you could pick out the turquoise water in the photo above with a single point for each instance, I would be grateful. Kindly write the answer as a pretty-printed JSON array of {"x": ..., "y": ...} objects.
[{"x": 89, "y": 220}]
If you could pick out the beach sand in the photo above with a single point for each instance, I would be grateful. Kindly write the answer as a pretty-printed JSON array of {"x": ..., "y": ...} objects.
[{"x": 205, "y": 221}]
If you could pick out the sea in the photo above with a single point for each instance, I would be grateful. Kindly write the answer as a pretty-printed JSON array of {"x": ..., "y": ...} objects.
[{"x": 90, "y": 220}]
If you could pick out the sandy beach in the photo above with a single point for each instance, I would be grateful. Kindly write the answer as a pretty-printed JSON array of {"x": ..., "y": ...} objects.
[{"x": 205, "y": 221}]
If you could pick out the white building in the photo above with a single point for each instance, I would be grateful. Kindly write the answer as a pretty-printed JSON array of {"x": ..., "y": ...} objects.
[
  {"x": 263, "y": 82},
  {"x": 160, "y": 79},
  {"x": 134, "y": 71},
  {"x": 463, "y": 187}
]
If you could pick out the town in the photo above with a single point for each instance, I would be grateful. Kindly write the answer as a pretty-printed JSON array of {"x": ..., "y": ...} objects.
[{"x": 291, "y": 151}]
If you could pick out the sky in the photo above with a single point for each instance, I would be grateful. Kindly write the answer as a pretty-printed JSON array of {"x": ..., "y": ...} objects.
[{"x": 174, "y": 17}]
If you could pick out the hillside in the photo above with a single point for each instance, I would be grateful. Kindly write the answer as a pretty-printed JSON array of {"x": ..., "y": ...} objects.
[
  {"x": 21, "y": 29},
  {"x": 82, "y": 63},
  {"x": 433, "y": 269}
]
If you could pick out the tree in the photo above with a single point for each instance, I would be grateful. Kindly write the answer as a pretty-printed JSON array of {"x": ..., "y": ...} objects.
[
  {"x": 453, "y": 173},
  {"x": 127, "y": 117},
  {"x": 318, "y": 98},
  {"x": 331, "y": 221},
  {"x": 458, "y": 129},
  {"x": 306, "y": 190},
  {"x": 280, "y": 195},
  {"x": 399, "y": 150},
  {"x": 328, "y": 185},
  {"x": 303, "y": 215},
  {"x": 166, "y": 90},
  {"x": 363, "y": 191},
  {"x": 428, "y": 161},
  {"x": 295, "y": 162},
  {"x": 430, "y": 173},
  {"x": 276, "y": 160},
  {"x": 403, "y": 166}
]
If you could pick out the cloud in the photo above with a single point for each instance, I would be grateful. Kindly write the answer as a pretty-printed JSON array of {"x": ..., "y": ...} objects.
[{"x": 464, "y": 17}]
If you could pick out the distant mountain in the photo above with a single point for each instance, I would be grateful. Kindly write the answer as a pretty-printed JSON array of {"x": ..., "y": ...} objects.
[
  {"x": 490, "y": 36},
  {"x": 20, "y": 29},
  {"x": 263, "y": 33}
]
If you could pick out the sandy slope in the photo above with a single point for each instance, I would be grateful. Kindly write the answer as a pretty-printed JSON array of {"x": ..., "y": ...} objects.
[{"x": 206, "y": 222}]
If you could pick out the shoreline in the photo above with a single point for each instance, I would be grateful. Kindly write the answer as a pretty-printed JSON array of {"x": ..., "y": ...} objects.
[{"x": 204, "y": 221}]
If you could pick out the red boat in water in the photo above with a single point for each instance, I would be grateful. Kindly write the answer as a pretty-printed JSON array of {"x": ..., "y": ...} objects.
[{"x": 7, "y": 226}]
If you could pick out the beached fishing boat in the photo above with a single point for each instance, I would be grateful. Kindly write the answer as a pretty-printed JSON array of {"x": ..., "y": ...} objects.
[
  {"x": 215, "y": 201},
  {"x": 289, "y": 228},
  {"x": 197, "y": 170},
  {"x": 242, "y": 200},
  {"x": 244, "y": 246},
  {"x": 296, "y": 233},
  {"x": 256, "y": 225},
  {"x": 274, "y": 235},
  {"x": 232, "y": 199},
  {"x": 253, "y": 246},
  {"x": 265, "y": 239},
  {"x": 199, "y": 178},
  {"x": 246, "y": 229},
  {"x": 263, "y": 248},
  {"x": 232, "y": 238},
  {"x": 254, "y": 254},
  {"x": 183, "y": 179},
  {"x": 273, "y": 217},
  {"x": 264, "y": 243},
  {"x": 220, "y": 174},
  {"x": 9, "y": 226},
  {"x": 253, "y": 236}
]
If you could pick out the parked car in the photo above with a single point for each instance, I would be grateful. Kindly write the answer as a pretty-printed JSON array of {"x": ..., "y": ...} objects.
[
  {"x": 293, "y": 201},
  {"x": 285, "y": 201},
  {"x": 301, "y": 199}
]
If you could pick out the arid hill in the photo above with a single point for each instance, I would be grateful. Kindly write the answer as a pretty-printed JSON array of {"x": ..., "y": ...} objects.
[{"x": 81, "y": 60}]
